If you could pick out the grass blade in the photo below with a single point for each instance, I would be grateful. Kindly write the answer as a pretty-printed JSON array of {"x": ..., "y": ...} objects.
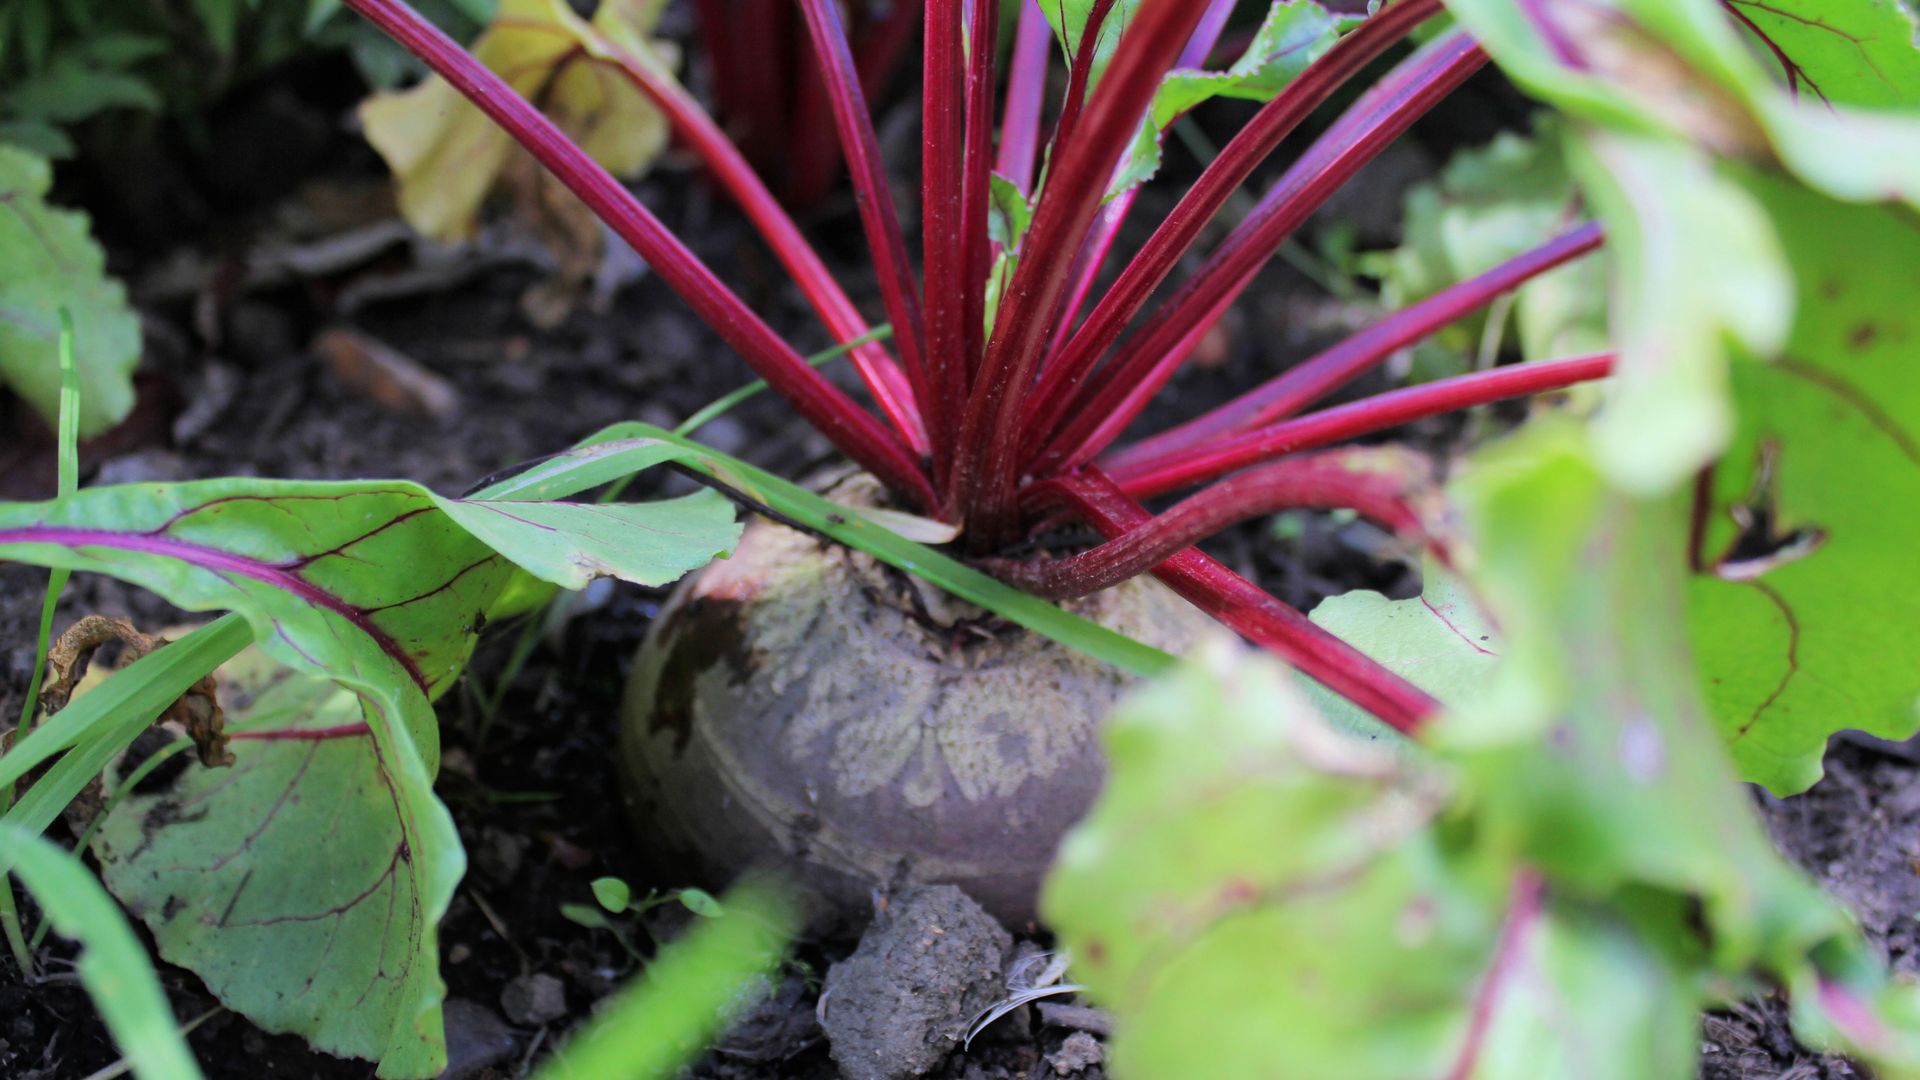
[
  {"x": 67, "y": 481},
  {"x": 132, "y": 697}
]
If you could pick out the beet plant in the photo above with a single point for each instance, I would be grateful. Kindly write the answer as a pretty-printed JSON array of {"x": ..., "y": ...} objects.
[
  {"x": 1555, "y": 868},
  {"x": 811, "y": 740}
]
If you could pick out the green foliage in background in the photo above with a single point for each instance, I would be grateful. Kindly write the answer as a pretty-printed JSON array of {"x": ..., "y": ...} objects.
[
  {"x": 1490, "y": 204},
  {"x": 65, "y": 62},
  {"x": 49, "y": 263},
  {"x": 1291, "y": 36}
]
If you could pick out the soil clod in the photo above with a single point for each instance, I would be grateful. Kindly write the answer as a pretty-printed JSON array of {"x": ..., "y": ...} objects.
[
  {"x": 531, "y": 1000},
  {"x": 476, "y": 1039},
  {"x": 900, "y": 1004},
  {"x": 1079, "y": 1052}
]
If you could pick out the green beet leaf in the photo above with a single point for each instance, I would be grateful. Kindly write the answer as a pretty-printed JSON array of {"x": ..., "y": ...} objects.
[
  {"x": 1008, "y": 215},
  {"x": 1586, "y": 996},
  {"x": 1863, "y": 144},
  {"x": 287, "y": 882},
  {"x": 1699, "y": 280},
  {"x": 1798, "y": 633},
  {"x": 1593, "y": 757},
  {"x": 48, "y": 261},
  {"x": 379, "y": 586},
  {"x": 1555, "y": 891},
  {"x": 1293, "y": 35},
  {"x": 1069, "y": 21},
  {"x": 1008, "y": 212},
  {"x": 1857, "y": 52},
  {"x": 1256, "y": 894},
  {"x": 1798, "y": 617},
  {"x": 1692, "y": 69},
  {"x": 384, "y": 606},
  {"x": 1579, "y": 746},
  {"x": 1440, "y": 641},
  {"x": 1252, "y": 882}
]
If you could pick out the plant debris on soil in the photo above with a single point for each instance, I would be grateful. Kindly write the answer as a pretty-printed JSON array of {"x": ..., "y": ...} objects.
[{"x": 364, "y": 361}]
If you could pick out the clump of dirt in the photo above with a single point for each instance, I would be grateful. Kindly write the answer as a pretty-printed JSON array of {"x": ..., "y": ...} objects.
[{"x": 901, "y": 1003}]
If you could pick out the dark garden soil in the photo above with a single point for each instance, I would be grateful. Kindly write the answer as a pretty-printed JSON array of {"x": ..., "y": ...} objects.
[{"x": 252, "y": 371}]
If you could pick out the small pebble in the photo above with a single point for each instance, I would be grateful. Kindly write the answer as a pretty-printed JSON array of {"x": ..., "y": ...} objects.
[
  {"x": 476, "y": 1038},
  {"x": 1079, "y": 1052},
  {"x": 532, "y": 1000}
]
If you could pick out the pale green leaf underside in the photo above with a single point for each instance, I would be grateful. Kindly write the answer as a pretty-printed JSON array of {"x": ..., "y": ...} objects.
[
  {"x": 1591, "y": 998},
  {"x": 1356, "y": 945},
  {"x": 1612, "y": 781},
  {"x": 1215, "y": 941},
  {"x": 1440, "y": 641}
]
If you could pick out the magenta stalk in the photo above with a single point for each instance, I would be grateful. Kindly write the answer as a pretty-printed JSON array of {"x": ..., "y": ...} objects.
[
  {"x": 883, "y": 378},
  {"x": 1148, "y": 477},
  {"x": 1328, "y": 481},
  {"x": 854, "y": 431},
  {"x": 1150, "y": 266},
  {"x": 985, "y": 469},
  {"x": 1243, "y": 607},
  {"x": 1294, "y": 389},
  {"x": 1110, "y": 401}
]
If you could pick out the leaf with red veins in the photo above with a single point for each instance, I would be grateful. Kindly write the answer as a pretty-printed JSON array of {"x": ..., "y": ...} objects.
[
  {"x": 1856, "y": 52},
  {"x": 1441, "y": 641},
  {"x": 1801, "y": 616},
  {"x": 378, "y": 587},
  {"x": 288, "y": 882}
]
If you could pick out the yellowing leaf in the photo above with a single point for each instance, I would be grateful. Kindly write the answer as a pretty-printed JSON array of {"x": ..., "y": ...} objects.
[{"x": 447, "y": 156}]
